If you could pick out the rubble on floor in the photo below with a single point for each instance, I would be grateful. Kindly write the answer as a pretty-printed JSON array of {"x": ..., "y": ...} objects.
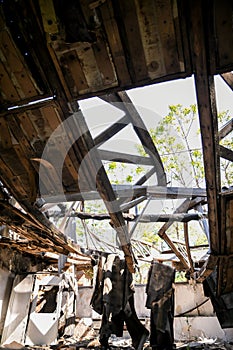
[{"x": 88, "y": 339}]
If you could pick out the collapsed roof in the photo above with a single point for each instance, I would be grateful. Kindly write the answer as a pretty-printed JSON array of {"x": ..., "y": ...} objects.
[{"x": 55, "y": 53}]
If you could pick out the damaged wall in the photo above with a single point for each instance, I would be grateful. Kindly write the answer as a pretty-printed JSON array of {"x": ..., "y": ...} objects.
[{"x": 19, "y": 262}]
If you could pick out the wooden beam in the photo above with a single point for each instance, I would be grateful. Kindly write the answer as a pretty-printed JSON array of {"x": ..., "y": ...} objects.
[
  {"x": 180, "y": 217},
  {"x": 175, "y": 192},
  {"x": 128, "y": 205},
  {"x": 145, "y": 177},
  {"x": 99, "y": 178},
  {"x": 123, "y": 102},
  {"x": 124, "y": 157},
  {"x": 183, "y": 207},
  {"x": 111, "y": 131},
  {"x": 205, "y": 91},
  {"x": 226, "y": 153},
  {"x": 186, "y": 238},
  {"x": 132, "y": 191},
  {"x": 226, "y": 129}
]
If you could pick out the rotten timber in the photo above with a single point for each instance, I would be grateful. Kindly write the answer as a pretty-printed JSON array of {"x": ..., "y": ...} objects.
[{"x": 208, "y": 119}]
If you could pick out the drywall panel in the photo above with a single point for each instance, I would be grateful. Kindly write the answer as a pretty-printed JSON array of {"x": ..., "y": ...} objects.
[{"x": 17, "y": 313}]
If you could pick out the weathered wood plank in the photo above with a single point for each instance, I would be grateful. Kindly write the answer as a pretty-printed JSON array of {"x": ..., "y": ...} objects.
[
  {"x": 111, "y": 131},
  {"x": 229, "y": 225},
  {"x": 73, "y": 73},
  {"x": 165, "y": 22},
  {"x": 226, "y": 129},
  {"x": 127, "y": 191},
  {"x": 114, "y": 41},
  {"x": 148, "y": 13},
  {"x": 124, "y": 157},
  {"x": 11, "y": 181},
  {"x": 52, "y": 115},
  {"x": 224, "y": 34},
  {"x": 105, "y": 65},
  {"x": 8, "y": 91},
  {"x": 187, "y": 245},
  {"x": 19, "y": 74},
  {"x": 127, "y": 21},
  {"x": 141, "y": 131},
  {"x": 208, "y": 120},
  {"x": 145, "y": 218},
  {"x": 226, "y": 153},
  {"x": 5, "y": 136}
]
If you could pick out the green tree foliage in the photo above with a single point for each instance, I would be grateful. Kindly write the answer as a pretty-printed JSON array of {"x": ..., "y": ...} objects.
[{"x": 179, "y": 146}]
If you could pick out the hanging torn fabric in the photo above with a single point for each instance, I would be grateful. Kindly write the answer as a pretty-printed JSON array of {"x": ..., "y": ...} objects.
[
  {"x": 160, "y": 299},
  {"x": 113, "y": 298}
]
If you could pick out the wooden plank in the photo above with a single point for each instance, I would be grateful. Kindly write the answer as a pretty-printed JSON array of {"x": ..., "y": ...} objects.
[
  {"x": 73, "y": 73},
  {"x": 129, "y": 191},
  {"x": 115, "y": 44},
  {"x": 226, "y": 129},
  {"x": 224, "y": 33},
  {"x": 167, "y": 35},
  {"x": 12, "y": 182},
  {"x": 124, "y": 157},
  {"x": 127, "y": 20},
  {"x": 145, "y": 218},
  {"x": 147, "y": 12},
  {"x": 104, "y": 62},
  {"x": 140, "y": 129},
  {"x": 226, "y": 153},
  {"x": 187, "y": 245},
  {"x": 23, "y": 83},
  {"x": 8, "y": 91},
  {"x": 208, "y": 120},
  {"x": 144, "y": 136},
  {"x": 48, "y": 16},
  {"x": 19, "y": 136},
  {"x": 27, "y": 128},
  {"x": 5, "y": 136},
  {"x": 229, "y": 225},
  {"x": 54, "y": 120},
  {"x": 43, "y": 130},
  {"x": 59, "y": 72},
  {"x": 145, "y": 177},
  {"x": 175, "y": 192},
  {"x": 111, "y": 131}
]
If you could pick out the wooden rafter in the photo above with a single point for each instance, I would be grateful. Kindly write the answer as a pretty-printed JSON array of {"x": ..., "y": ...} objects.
[
  {"x": 226, "y": 153},
  {"x": 98, "y": 177},
  {"x": 208, "y": 119},
  {"x": 129, "y": 191},
  {"x": 123, "y": 102},
  {"x": 179, "y": 217},
  {"x": 226, "y": 129}
]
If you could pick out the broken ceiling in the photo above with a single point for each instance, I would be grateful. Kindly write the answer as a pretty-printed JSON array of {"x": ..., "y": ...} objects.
[{"x": 54, "y": 53}]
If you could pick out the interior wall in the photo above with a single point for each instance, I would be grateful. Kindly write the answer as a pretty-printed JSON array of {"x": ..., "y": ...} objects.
[{"x": 6, "y": 281}]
